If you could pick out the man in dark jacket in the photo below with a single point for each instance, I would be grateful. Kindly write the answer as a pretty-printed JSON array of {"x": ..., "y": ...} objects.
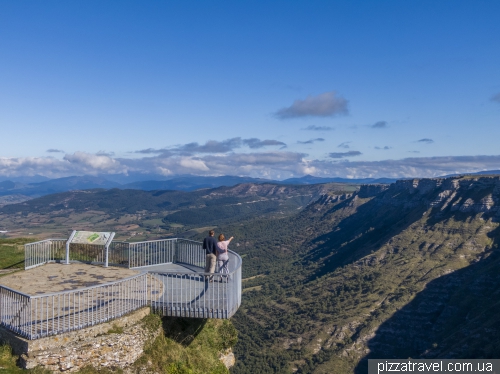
[{"x": 210, "y": 247}]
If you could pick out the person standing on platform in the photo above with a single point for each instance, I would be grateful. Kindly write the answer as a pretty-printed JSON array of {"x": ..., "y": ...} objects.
[
  {"x": 210, "y": 247},
  {"x": 223, "y": 257}
]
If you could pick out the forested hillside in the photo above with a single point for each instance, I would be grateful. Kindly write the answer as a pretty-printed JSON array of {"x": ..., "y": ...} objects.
[
  {"x": 141, "y": 215},
  {"x": 332, "y": 275},
  {"x": 408, "y": 271}
]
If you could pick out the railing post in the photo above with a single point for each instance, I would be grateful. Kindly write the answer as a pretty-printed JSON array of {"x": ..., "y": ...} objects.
[{"x": 128, "y": 250}]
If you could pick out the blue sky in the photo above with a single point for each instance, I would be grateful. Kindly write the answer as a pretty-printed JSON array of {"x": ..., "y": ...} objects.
[{"x": 267, "y": 89}]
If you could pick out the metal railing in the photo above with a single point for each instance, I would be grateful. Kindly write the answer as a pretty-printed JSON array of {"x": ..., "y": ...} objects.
[
  {"x": 154, "y": 252},
  {"x": 190, "y": 252},
  {"x": 38, "y": 316},
  {"x": 198, "y": 294},
  {"x": 183, "y": 290},
  {"x": 44, "y": 251},
  {"x": 119, "y": 254}
]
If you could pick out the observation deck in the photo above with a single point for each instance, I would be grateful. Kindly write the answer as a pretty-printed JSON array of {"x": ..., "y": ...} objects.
[{"x": 167, "y": 275}]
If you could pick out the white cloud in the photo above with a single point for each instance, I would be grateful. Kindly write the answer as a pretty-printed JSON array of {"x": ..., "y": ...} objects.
[
  {"x": 28, "y": 166},
  {"x": 270, "y": 164},
  {"x": 408, "y": 167},
  {"x": 95, "y": 163},
  {"x": 327, "y": 104},
  {"x": 195, "y": 164}
]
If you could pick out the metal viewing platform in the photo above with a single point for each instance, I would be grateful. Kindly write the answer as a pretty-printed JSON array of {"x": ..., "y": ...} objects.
[{"x": 167, "y": 274}]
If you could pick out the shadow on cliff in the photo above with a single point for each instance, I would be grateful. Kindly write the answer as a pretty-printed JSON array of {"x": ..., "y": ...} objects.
[
  {"x": 385, "y": 216},
  {"x": 455, "y": 316},
  {"x": 182, "y": 330},
  {"x": 364, "y": 231}
]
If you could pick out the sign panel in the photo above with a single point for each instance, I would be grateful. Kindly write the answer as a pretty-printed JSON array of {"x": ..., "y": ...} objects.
[{"x": 90, "y": 237}]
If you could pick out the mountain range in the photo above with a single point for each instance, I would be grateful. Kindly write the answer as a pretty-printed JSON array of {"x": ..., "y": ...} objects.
[
  {"x": 334, "y": 274},
  {"x": 21, "y": 189},
  {"x": 406, "y": 270},
  {"x": 28, "y": 187}
]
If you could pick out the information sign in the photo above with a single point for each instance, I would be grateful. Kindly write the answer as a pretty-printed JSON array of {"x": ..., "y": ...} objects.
[{"x": 90, "y": 237}]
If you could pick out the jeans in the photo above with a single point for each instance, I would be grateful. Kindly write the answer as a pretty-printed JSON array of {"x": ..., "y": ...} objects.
[{"x": 223, "y": 269}]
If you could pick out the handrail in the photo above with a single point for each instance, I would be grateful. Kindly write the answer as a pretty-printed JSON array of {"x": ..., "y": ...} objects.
[
  {"x": 151, "y": 241},
  {"x": 184, "y": 293},
  {"x": 36, "y": 256},
  {"x": 46, "y": 240},
  {"x": 188, "y": 240},
  {"x": 14, "y": 291}
]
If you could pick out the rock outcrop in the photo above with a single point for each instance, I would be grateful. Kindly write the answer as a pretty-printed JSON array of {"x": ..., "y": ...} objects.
[{"x": 116, "y": 344}]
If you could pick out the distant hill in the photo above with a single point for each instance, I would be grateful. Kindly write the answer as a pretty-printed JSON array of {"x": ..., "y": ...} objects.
[
  {"x": 54, "y": 185},
  {"x": 39, "y": 186},
  {"x": 165, "y": 212},
  {"x": 309, "y": 179},
  {"x": 72, "y": 183},
  {"x": 7, "y": 185},
  {"x": 181, "y": 183},
  {"x": 191, "y": 183},
  {"x": 26, "y": 179}
]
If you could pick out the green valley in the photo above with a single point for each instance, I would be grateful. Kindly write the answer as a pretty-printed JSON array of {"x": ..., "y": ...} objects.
[{"x": 333, "y": 275}]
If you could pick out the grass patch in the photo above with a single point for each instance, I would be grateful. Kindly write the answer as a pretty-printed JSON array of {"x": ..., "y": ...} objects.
[
  {"x": 151, "y": 322},
  {"x": 188, "y": 346},
  {"x": 8, "y": 363},
  {"x": 12, "y": 252}
]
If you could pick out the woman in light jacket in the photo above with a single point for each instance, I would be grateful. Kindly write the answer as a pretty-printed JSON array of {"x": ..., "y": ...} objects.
[{"x": 222, "y": 255}]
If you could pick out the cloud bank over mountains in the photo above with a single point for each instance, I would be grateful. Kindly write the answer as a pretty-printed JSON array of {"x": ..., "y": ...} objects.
[{"x": 221, "y": 158}]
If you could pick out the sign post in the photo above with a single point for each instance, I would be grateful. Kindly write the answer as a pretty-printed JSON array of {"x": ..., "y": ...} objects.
[
  {"x": 67, "y": 246},
  {"x": 107, "y": 249}
]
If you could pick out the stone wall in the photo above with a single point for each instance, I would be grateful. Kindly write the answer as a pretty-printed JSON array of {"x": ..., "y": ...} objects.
[
  {"x": 115, "y": 344},
  {"x": 98, "y": 346}
]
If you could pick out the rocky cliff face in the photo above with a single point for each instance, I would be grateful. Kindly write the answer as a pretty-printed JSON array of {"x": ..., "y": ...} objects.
[
  {"x": 370, "y": 190},
  {"x": 408, "y": 270},
  {"x": 467, "y": 195},
  {"x": 270, "y": 190}
]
